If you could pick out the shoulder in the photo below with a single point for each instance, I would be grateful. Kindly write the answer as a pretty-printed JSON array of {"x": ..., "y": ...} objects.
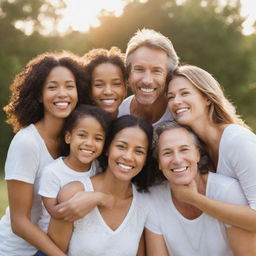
[
  {"x": 236, "y": 134},
  {"x": 27, "y": 137},
  {"x": 224, "y": 188},
  {"x": 157, "y": 193},
  {"x": 124, "y": 107}
]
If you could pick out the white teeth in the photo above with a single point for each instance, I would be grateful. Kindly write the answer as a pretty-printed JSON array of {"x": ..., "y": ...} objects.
[
  {"x": 147, "y": 90},
  {"x": 109, "y": 101},
  {"x": 179, "y": 169},
  {"x": 125, "y": 166},
  {"x": 87, "y": 151},
  {"x": 61, "y": 104},
  {"x": 181, "y": 110}
]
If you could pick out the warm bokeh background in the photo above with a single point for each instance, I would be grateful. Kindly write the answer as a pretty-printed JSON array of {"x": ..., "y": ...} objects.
[{"x": 204, "y": 32}]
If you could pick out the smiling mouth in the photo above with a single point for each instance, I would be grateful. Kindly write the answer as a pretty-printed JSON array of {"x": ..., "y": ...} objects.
[
  {"x": 181, "y": 110},
  {"x": 147, "y": 90},
  {"x": 179, "y": 170},
  {"x": 61, "y": 104},
  {"x": 87, "y": 151},
  {"x": 125, "y": 167},
  {"x": 108, "y": 101}
]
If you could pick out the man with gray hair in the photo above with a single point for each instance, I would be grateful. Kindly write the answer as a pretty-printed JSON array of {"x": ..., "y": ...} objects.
[{"x": 150, "y": 56}]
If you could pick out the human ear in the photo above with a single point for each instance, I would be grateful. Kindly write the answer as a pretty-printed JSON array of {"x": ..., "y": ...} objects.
[{"x": 68, "y": 137}]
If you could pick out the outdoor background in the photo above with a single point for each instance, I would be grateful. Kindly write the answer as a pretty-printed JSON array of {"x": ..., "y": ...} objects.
[{"x": 209, "y": 33}]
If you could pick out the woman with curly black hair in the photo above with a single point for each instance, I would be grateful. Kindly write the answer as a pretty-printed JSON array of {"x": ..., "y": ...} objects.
[
  {"x": 43, "y": 94},
  {"x": 107, "y": 76}
]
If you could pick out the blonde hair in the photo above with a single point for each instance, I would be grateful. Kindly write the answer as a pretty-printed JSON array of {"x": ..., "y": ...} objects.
[
  {"x": 221, "y": 110},
  {"x": 152, "y": 39}
]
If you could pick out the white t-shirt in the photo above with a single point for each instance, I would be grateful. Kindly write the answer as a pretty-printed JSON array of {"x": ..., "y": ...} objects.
[
  {"x": 93, "y": 237},
  {"x": 203, "y": 236},
  {"x": 27, "y": 155},
  {"x": 237, "y": 159},
  {"x": 124, "y": 109},
  {"x": 55, "y": 176}
]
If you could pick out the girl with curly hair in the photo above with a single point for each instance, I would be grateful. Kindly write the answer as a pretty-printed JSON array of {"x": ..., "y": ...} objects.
[
  {"x": 43, "y": 94},
  {"x": 107, "y": 77}
]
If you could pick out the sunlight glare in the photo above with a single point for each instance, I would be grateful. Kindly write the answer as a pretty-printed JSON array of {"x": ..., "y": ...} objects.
[{"x": 80, "y": 15}]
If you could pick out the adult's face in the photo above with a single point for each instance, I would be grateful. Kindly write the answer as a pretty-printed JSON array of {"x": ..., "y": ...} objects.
[
  {"x": 59, "y": 94},
  {"x": 148, "y": 73},
  {"x": 178, "y": 156},
  {"x": 187, "y": 105}
]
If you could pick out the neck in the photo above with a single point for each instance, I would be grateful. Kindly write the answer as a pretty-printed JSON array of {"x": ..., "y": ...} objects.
[
  {"x": 187, "y": 210},
  {"x": 152, "y": 112},
  {"x": 210, "y": 134},
  {"x": 105, "y": 182}
]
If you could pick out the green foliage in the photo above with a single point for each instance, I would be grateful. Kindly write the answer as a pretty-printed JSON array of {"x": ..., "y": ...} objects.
[{"x": 203, "y": 33}]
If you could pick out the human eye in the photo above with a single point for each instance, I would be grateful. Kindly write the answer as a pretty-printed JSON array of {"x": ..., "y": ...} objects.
[
  {"x": 81, "y": 135},
  {"x": 157, "y": 71},
  {"x": 170, "y": 97},
  {"x": 140, "y": 152},
  {"x": 185, "y": 149},
  {"x": 99, "y": 138},
  {"x": 117, "y": 83},
  {"x": 138, "y": 69},
  {"x": 184, "y": 93},
  {"x": 120, "y": 146},
  {"x": 166, "y": 153},
  {"x": 71, "y": 85},
  {"x": 98, "y": 84},
  {"x": 51, "y": 86}
]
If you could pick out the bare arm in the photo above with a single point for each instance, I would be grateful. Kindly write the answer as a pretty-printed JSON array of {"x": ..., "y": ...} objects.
[
  {"x": 242, "y": 242},
  {"x": 155, "y": 244},
  {"x": 60, "y": 231},
  {"x": 20, "y": 200},
  {"x": 74, "y": 205},
  {"x": 141, "y": 249},
  {"x": 236, "y": 215}
]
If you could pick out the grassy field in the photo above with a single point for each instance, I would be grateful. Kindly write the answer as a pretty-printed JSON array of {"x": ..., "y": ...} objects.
[{"x": 3, "y": 196}]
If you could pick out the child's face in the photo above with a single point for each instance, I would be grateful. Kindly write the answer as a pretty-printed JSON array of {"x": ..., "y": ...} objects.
[
  {"x": 108, "y": 87},
  {"x": 86, "y": 143},
  {"x": 127, "y": 153}
]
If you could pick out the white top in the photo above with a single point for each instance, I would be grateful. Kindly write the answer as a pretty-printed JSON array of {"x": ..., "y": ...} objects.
[
  {"x": 55, "y": 176},
  {"x": 237, "y": 159},
  {"x": 27, "y": 155},
  {"x": 93, "y": 237},
  {"x": 124, "y": 109},
  {"x": 198, "y": 237}
]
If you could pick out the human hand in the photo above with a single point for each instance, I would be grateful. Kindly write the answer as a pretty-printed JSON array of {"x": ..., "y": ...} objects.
[
  {"x": 184, "y": 193},
  {"x": 79, "y": 205},
  {"x": 107, "y": 200}
]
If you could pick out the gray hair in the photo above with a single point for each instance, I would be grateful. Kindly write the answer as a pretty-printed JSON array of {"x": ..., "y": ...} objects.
[
  {"x": 152, "y": 39},
  {"x": 204, "y": 162}
]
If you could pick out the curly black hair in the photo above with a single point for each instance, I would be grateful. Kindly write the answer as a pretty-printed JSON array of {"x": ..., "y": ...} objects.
[
  {"x": 99, "y": 56},
  {"x": 24, "y": 106}
]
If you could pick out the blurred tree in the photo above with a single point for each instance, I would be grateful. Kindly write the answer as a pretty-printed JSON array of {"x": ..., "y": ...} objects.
[{"x": 16, "y": 48}]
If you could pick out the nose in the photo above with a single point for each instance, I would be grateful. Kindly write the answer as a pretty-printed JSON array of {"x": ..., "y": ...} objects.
[
  {"x": 176, "y": 158},
  {"x": 128, "y": 155},
  {"x": 108, "y": 89},
  {"x": 176, "y": 99},
  {"x": 89, "y": 141},
  {"x": 147, "y": 78},
  {"x": 62, "y": 91}
]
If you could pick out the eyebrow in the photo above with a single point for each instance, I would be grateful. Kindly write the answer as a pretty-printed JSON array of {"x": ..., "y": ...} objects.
[
  {"x": 184, "y": 88},
  {"x": 55, "y": 82},
  {"x": 127, "y": 144}
]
